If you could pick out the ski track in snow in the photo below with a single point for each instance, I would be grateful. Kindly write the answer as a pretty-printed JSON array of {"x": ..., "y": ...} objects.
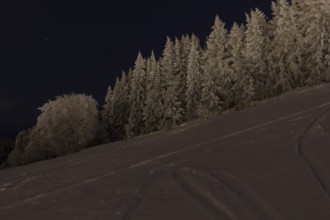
[
  {"x": 262, "y": 209},
  {"x": 224, "y": 195},
  {"x": 40, "y": 196},
  {"x": 205, "y": 196},
  {"x": 139, "y": 195},
  {"x": 220, "y": 198},
  {"x": 308, "y": 161},
  {"x": 297, "y": 119}
]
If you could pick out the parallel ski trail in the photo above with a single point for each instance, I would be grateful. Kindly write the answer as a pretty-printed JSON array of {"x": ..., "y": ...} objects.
[
  {"x": 245, "y": 193},
  {"x": 225, "y": 196},
  {"x": 139, "y": 195},
  {"x": 205, "y": 197}
]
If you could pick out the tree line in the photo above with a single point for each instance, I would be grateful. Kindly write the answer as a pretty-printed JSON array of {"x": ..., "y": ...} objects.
[{"x": 235, "y": 68}]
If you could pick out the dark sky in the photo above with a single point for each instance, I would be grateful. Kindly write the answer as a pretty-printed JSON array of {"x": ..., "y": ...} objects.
[{"x": 49, "y": 48}]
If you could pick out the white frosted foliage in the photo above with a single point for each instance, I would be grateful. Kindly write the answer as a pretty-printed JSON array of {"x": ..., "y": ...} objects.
[
  {"x": 65, "y": 125},
  {"x": 193, "y": 92},
  {"x": 242, "y": 91},
  {"x": 255, "y": 54},
  {"x": 137, "y": 98},
  {"x": 153, "y": 111}
]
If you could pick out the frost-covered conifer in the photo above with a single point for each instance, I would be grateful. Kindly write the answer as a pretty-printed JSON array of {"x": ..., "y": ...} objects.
[
  {"x": 185, "y": 43},
  {"x": 255, "y": 57},
  {"x": 137, "y": 98},
  {"x": 15, "y": 157},
  {"x": 172, "y": 107},
  {"x": 313, "y": 17},
  {"x": 194, "y": 72},
  {"x": 119, "y": 110},
  {"x": 23, "y": 138},
  {"x": 242, "y": 86},
  {"x": 168, "y": 59},
  {"x": 285, "y": 48},
  {"x": 107, "y": 114},
  {"x": 153, "y": 109},
  {"x": 215, "y": 59},
  {"x": 180, "y": 70},
  {"x": 210, "y": 104}
]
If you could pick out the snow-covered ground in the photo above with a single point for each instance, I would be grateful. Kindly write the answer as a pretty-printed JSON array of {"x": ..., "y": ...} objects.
[{"x": 267, "y": 162}]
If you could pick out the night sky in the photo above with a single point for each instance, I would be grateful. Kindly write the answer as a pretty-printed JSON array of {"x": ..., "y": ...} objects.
[{"x": 49, "y": 48}]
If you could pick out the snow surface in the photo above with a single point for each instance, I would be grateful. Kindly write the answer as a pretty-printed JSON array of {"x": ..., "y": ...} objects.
[{"x": 267, "y": 162}]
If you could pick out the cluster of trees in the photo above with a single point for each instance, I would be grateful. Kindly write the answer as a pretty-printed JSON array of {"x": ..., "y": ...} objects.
[
  {"x": 249, "y": 62},
  {"x": 235, "y": 68}
]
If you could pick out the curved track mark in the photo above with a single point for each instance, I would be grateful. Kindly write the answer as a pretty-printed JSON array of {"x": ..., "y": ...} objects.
[
  {"x": 308, "y": 160},
  {"x": 139, "y": 195}
]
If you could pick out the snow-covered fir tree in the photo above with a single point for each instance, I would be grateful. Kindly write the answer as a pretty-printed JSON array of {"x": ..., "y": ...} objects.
[
  {"x": 107, "y": 114},
  {"x": 285, "y": 49},
  {"x": 314, "y": 22},
  {"x": 120, "y": 109},
  {"x": 129, "y": 78},
  {"x": 242, "y": 86},
  {"x": 185, "y": 42},
  {"x": 137, "y": 98},
  {"x": 216, "y": 61},
  {"x": 23, "y": 139},
  {"x": 153, "y": 109},
  {"x": 116, "y": 110},
  {"x": 180, "y": 70},
  {"x": 255, "y": 44},
  {"x": 194, "y": 72},
  {"x": 168, "y": 59},
  {"x": 210, "y": 104},
  {"x": 172, "y": 108},
  {"x": 16, "y": 156}
]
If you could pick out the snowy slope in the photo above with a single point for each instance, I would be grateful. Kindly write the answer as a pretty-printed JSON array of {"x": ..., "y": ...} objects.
[{"x": 267, "y": 162}]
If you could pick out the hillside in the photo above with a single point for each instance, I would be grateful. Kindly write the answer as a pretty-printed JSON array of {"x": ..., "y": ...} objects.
[{"x": 267, "y": 162}]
